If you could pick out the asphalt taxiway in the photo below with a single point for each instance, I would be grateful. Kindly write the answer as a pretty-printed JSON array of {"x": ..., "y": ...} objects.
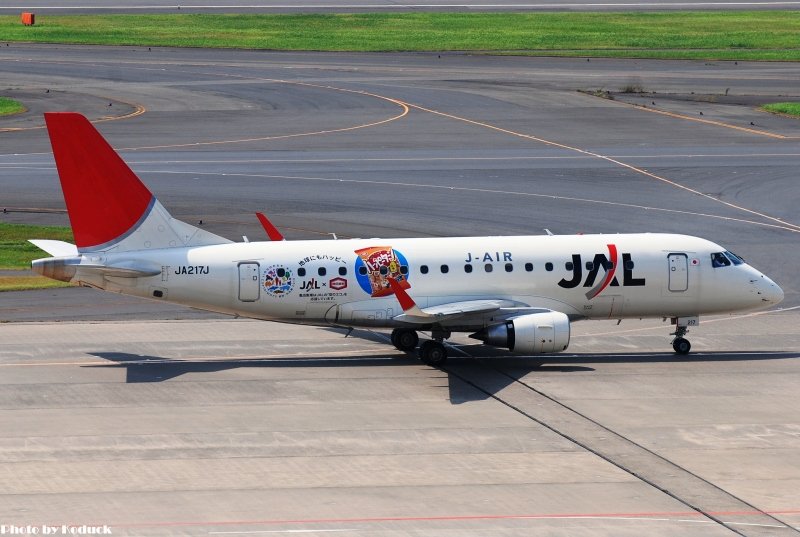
[{"x": 162, "y": 421}]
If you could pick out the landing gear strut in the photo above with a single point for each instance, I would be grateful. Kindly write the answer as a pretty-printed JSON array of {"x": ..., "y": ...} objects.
[
  {"x": 404, "y": 339},
  {"x": 680, "y": 344}
]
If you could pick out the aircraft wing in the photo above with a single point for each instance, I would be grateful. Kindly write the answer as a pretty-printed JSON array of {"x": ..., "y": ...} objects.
[
  {"x": 445, "y": 312},
  {"x": 453, "y": 310}
]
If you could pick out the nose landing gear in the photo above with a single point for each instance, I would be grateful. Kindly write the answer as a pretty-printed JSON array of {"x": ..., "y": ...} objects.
[{"x": 680, "y": 344}]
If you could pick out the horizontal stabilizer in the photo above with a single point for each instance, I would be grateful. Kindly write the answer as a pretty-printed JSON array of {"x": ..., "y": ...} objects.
[{"x": 55, "y": 248}]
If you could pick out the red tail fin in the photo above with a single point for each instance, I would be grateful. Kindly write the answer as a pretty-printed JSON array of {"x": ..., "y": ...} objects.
[{"x": 105, "y": 199}]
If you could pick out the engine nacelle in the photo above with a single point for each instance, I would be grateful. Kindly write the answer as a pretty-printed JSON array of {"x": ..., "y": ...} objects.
[{"x": 535, "y": 333}]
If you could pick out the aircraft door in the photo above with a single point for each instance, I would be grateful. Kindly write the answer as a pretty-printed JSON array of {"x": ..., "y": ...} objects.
[
  {"x": 678, "y": 272},
  {"x": 249, "y": 285}
]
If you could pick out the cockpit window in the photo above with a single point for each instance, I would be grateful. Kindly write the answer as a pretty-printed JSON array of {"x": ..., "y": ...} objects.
[
  {"x": 718, "y": 259},
  {"x": 734, "y": 258}
]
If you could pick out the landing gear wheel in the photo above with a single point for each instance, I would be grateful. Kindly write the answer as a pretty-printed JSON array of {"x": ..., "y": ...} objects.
[
  {"x": 681, "y": 345},
  {"x": 404, "y": 339},
  {"x": 433, "y": 353}
]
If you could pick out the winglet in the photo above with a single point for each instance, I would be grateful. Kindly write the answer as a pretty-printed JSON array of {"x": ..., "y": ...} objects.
[
  {"x": 272, "y": 231},
  {"x": 410, "y": 307}
]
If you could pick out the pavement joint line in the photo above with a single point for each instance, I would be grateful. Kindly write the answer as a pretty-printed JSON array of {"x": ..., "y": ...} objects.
[{"x": 609, "y": 457}]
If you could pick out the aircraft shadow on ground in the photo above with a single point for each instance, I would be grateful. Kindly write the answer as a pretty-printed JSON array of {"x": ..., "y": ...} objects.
[{"x": 497, "y": 371}]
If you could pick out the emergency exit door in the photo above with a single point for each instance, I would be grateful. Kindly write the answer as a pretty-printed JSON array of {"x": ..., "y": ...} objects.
[
  {"x": 678, "y": 272},
  {"x": 249, "y": 286}
]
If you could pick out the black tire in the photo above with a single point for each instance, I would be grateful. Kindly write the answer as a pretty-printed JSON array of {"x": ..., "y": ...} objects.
[
  {"x": 681, "y": 346},
  {"x": 405, "y": 339},
  {"x": 433, "y": 353}
]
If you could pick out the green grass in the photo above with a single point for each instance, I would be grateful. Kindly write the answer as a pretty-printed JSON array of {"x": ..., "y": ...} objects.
[
  {"x": 789, "y": 109},
  {"x": 16, "y": 253},
  {"x": 26, "y": 283},
  {"x": 757, "y": 35},
  {"x": 10, "y": 106}
]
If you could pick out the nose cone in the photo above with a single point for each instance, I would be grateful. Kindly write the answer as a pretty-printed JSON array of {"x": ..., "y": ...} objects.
[{"x": 769, "y": 291}]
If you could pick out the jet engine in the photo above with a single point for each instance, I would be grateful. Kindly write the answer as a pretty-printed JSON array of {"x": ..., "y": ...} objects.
[{"x": 534, "y": 333}]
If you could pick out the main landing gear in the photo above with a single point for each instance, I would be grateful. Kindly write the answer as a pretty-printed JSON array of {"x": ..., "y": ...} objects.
[
  {"x": 432, "y": 352},
  {"x": 405, "y": 339},
  {"x": 680, "y": 344}
]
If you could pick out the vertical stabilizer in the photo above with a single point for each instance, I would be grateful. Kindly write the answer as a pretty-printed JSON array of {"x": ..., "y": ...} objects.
[{"x": 109, "y": 208}]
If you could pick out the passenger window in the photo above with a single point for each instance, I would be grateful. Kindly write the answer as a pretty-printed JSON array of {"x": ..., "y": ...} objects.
[
  {"x": 384, "y": 270},
  {"x": 322, "y": 271},
  {"x": 423, "y": 269},
  {"x": 528, "y": 267},
  {"x": 548, "y": 267},
  {"x": 467, "y": 268},
  {"x": 362, "y": 270},
  {"x": 281, "y": 272},
  {"x": 301, "y": 272},
  {"x": 589, "y": 265},
  {"x": 569, "y": 266},
  {"x": 445, "y": 269},
  {"x": 488, "y": 267},
  {"x": 403, "y": 269},
  {"x": 342, "y": 271},
  {"x": 718, "y": 259},
  {"x": 629, "y": 265},
  {"x": 509, "y": 267}
]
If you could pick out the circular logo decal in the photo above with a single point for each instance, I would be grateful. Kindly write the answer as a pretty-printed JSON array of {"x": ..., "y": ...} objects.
[
  {"x": 278, "y": 281},
  {"x": 375, "y": 265}
]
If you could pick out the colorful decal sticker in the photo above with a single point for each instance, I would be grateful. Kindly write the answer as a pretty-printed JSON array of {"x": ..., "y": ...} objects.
[
  {"x": 375, "y": 265},
  {"x": 278, "y": 281}
]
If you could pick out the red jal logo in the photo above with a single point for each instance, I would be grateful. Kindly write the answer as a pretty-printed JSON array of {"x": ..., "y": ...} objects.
[{"x": 337, "y": 284}]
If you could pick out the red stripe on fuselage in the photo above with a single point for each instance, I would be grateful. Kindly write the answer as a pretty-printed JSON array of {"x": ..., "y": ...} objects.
[
  {"x": 612, "y": 253},
  {"x": 104, "y": 197}
]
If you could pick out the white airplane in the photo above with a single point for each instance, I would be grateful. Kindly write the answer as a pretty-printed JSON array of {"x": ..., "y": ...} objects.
[{"x": 518, "y": 293}]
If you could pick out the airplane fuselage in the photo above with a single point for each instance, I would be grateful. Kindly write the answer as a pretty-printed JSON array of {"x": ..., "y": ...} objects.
[{"x": 343, "y": 282}]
